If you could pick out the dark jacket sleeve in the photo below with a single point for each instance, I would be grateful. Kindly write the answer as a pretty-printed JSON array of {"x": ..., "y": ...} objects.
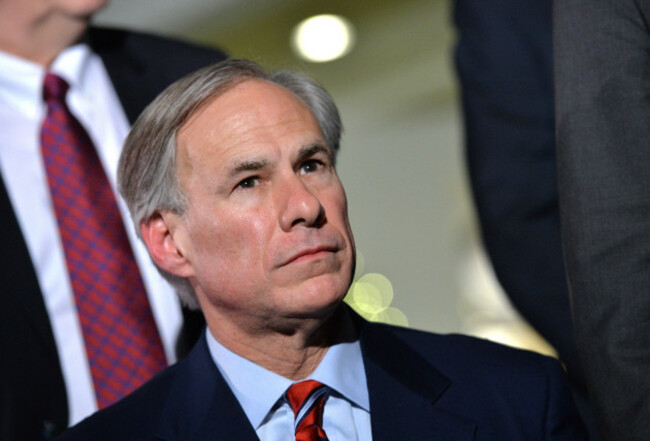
[
  {"x": 504, "y": 64},
  {"x": 602, "y": 74}
]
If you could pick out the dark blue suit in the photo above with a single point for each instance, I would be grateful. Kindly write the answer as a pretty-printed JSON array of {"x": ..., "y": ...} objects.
[
  {"x": 504, "y": 64},
  {"x": 422, "y": 387}
]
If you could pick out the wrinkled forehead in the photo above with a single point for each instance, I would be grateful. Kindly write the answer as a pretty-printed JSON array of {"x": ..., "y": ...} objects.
[{"x": 251, "y": 118}]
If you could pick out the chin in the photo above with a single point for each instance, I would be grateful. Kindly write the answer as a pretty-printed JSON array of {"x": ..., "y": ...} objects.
[{"x": 319, "y": 300}]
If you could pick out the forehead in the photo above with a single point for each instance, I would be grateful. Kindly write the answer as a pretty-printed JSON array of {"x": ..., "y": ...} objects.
[{"x": 255, "y": 114}]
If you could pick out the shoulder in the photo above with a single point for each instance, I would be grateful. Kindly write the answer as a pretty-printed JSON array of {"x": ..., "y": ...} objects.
[
  {"x": 138, "y": 414},
  {"x": 455, "y": 353},
  {"x": 454, "y": 348},
  {"x": 502, "y": 389},
  {"x": 142, "y": 65},
  {"x": 110, "y": 41},
  {"x": 475, "y": 365}
]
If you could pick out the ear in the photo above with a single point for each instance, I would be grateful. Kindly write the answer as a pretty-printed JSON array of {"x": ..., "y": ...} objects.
[{"x": 162, "y": 234}]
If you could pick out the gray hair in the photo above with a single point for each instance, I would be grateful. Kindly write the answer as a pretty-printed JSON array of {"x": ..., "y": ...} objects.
[{"x": 147, "y": 176}]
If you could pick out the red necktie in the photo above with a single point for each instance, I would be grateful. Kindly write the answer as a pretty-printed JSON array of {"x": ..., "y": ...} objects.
[
  {"x": 120, "y": 335},
  {"x": 307, "y": 399}
]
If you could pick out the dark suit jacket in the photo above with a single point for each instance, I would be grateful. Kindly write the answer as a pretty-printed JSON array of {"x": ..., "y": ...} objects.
[
  {"x": 33, "y": 403},
  {"x": 504, "y": 63},
  {"x": 422, "y": 387},
  {"x": 602, "y": 76}
]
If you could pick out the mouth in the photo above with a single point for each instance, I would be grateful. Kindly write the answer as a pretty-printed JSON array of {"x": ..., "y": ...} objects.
[{"x": 311, "y": 253}]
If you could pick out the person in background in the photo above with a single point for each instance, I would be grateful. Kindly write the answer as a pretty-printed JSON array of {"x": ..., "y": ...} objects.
[
  {"x": 85, "y": 317},
  {"x": 602, "y": 113},
  {"x": 230, "y": 178},
  {"x": 504, "y": 62}
]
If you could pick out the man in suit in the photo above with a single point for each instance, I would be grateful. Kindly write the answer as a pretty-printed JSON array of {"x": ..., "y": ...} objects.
[
  {"x": 44, "y": 375},
  {"x": 602, "y": 113},
  {"x": 230, "y": 176},
  {"x": 504, "y": 63}
]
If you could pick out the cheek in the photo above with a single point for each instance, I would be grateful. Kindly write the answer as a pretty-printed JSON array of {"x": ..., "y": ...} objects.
[
  {"x": 239, "y": 239},
  {"x": 337, "y": 209},
  {"x": 340, "y": 207}
]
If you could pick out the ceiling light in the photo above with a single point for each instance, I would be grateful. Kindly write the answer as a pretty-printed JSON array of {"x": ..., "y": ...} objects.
[{"x": 323, "y": 38}]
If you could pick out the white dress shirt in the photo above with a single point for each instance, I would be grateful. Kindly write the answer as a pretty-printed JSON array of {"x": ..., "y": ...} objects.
[
  {"x": 92, "y": 99},
  {"x": 346, "y": 415}
]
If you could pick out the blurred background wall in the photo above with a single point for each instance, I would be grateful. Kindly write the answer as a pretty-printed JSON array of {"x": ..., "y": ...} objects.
[{"x": 421, "y": 263}]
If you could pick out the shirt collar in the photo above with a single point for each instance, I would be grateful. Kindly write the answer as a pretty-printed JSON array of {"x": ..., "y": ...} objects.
[
  {"x": 342, "y": 370},
  {"x": 258, "y": 389},
  {"x": 72, "y": 65},
  {"x": 21, "y": 80}
]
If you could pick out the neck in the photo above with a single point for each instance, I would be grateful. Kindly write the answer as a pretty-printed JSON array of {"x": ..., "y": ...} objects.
[
  {"x": 294, "y": 351},
  {"x": 39, "y": 38}
]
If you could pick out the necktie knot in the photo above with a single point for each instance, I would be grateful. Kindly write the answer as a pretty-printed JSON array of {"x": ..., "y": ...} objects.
[
  {"x": 54, "y": 88},
  {"x": 307, "y": 399}
]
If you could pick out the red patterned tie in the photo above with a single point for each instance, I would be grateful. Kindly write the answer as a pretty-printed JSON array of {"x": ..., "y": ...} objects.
[
  {"x": 121, "y": 338},
  {"x": 307, "y": 399}
]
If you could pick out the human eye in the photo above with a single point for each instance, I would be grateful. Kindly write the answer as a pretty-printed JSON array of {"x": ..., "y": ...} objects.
[
  {"x": 311, "y": 166},
  {"x": 250, "y": 182}
]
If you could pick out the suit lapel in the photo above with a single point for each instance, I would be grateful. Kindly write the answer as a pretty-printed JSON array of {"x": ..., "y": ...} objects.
[
  {"x": 22, "y": 293},
  {"x": 404, "y": 391},
  {"x": 135, "y": 85},
  {"x": 30, "y": 361},
  {"x": 200, "y": 405}
]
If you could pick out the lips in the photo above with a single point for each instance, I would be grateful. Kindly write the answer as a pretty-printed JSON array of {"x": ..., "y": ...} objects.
[
  {"x": 309, "y": 246},
  {"x": 310, "y": 252}
]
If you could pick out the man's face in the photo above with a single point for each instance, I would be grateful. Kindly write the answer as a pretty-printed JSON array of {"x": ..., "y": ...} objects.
[{"x": 266, "y": 232}]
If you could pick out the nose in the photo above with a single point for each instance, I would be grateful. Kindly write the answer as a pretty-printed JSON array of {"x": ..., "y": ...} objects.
[{"x": 300, "y": 205}]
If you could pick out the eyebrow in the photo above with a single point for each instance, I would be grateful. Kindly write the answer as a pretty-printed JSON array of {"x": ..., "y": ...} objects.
[
  {"x": 248, "y": 165},
  {"x": 312, "y": 149},
  {"x": 304, "y": 153}
]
